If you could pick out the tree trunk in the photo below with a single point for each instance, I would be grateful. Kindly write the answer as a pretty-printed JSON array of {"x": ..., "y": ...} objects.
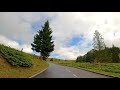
[
  {"x": 44, "y": 59},
  {"x": 40, "y": 57}
]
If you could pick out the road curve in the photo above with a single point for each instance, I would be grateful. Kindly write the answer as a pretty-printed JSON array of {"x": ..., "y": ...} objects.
[{"x": 58, "y": 71}]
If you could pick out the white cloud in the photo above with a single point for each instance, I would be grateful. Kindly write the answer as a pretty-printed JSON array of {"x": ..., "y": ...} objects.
[
  {"x": 27, "y": 48},
  {"x": 65, "y": 25},
  {"x": 68, "y": 25},
  {"x": 14, "y": 44},
  {"x": 13, "y": 27}
]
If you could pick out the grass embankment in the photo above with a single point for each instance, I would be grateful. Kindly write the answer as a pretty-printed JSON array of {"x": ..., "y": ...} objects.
[
  {"x": 19, "y": 69},
  {"x": 111, "y": 69}
]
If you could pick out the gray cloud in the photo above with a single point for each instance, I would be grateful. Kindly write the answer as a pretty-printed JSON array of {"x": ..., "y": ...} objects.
[{"x": 17, "y": 26}]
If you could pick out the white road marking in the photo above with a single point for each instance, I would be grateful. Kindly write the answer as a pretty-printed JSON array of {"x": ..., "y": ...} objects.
[
  {"x": 68, "y": 70},
  {"x": 74, "y": 75}
]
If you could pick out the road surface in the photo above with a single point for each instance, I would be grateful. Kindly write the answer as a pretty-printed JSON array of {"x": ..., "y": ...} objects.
[{"x": 58, "y": 71}]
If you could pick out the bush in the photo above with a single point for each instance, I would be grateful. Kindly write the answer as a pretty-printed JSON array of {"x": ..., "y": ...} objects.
[
  {"x": 15, "y": 57},
  {"x": 51, "y": 59}
]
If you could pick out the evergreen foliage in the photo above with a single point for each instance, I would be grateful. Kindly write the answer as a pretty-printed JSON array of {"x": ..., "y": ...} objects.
[{"x": 43, "y": 41}]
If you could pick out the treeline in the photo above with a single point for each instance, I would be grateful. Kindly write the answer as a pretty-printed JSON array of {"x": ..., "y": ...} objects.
[
  {"x": 100, "y": 53},
  {"x": 110, "y": 55}
]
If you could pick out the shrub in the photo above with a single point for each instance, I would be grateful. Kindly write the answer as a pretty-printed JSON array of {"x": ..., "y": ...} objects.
[
  {"x": 51, "y": 59},
  {"x": 15, "y": 57}
]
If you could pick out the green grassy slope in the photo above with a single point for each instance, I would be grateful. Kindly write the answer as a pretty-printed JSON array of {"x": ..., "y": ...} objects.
[
  {"x": 111, "y": 69},
  {"x": 17, "y": 64}
]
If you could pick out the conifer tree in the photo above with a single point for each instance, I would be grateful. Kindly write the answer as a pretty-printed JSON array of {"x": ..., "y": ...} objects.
[{"x": 43, "y": 41}]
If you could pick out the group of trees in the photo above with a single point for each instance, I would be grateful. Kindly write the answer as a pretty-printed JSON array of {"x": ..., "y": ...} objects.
[
  {"x": 100, "y": 53},
  {"x": 106, "y": 55},
  {"x": 43, "y": 43}
]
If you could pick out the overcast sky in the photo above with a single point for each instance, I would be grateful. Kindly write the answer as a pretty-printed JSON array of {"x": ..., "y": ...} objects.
[{"x": 72, "y": 31}]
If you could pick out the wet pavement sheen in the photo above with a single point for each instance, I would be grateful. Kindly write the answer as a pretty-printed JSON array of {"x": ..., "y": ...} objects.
[{"x": 58, "y": 71}]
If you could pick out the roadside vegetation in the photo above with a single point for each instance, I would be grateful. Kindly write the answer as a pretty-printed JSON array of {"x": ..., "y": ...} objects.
[
  {"x": 111, "y": 69},
  {"x": 100, "y": 53},
  {"x": 22, "y": 65},
  {"x": 108, "y": 55},
  {"x": 101, "y": 59},
  {"x": 15, "y": 57},
  {"x": 18, "y": 64}
]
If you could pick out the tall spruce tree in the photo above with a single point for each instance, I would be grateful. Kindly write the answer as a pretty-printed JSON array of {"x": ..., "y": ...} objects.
[
  {"x": 98, "y": 41},
  {"x": 43, "y": 41}
]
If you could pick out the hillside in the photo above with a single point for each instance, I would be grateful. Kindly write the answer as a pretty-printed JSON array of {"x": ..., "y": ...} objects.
[{"x": 17, "y": 64}]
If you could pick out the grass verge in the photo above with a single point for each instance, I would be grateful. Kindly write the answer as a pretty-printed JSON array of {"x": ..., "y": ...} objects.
[
  {"x": 9, "y": 71},
  {"x": 110, "y": 69}
]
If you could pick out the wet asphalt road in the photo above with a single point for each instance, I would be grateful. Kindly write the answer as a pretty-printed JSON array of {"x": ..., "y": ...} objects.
[{"x": 58, "y": 71}]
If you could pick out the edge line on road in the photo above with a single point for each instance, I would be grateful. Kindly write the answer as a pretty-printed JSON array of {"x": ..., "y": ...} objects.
[
  {"x": 90, "y": 71},
  {"x": 39, "y": 72},
  {"x": 75, "y": 75}
]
